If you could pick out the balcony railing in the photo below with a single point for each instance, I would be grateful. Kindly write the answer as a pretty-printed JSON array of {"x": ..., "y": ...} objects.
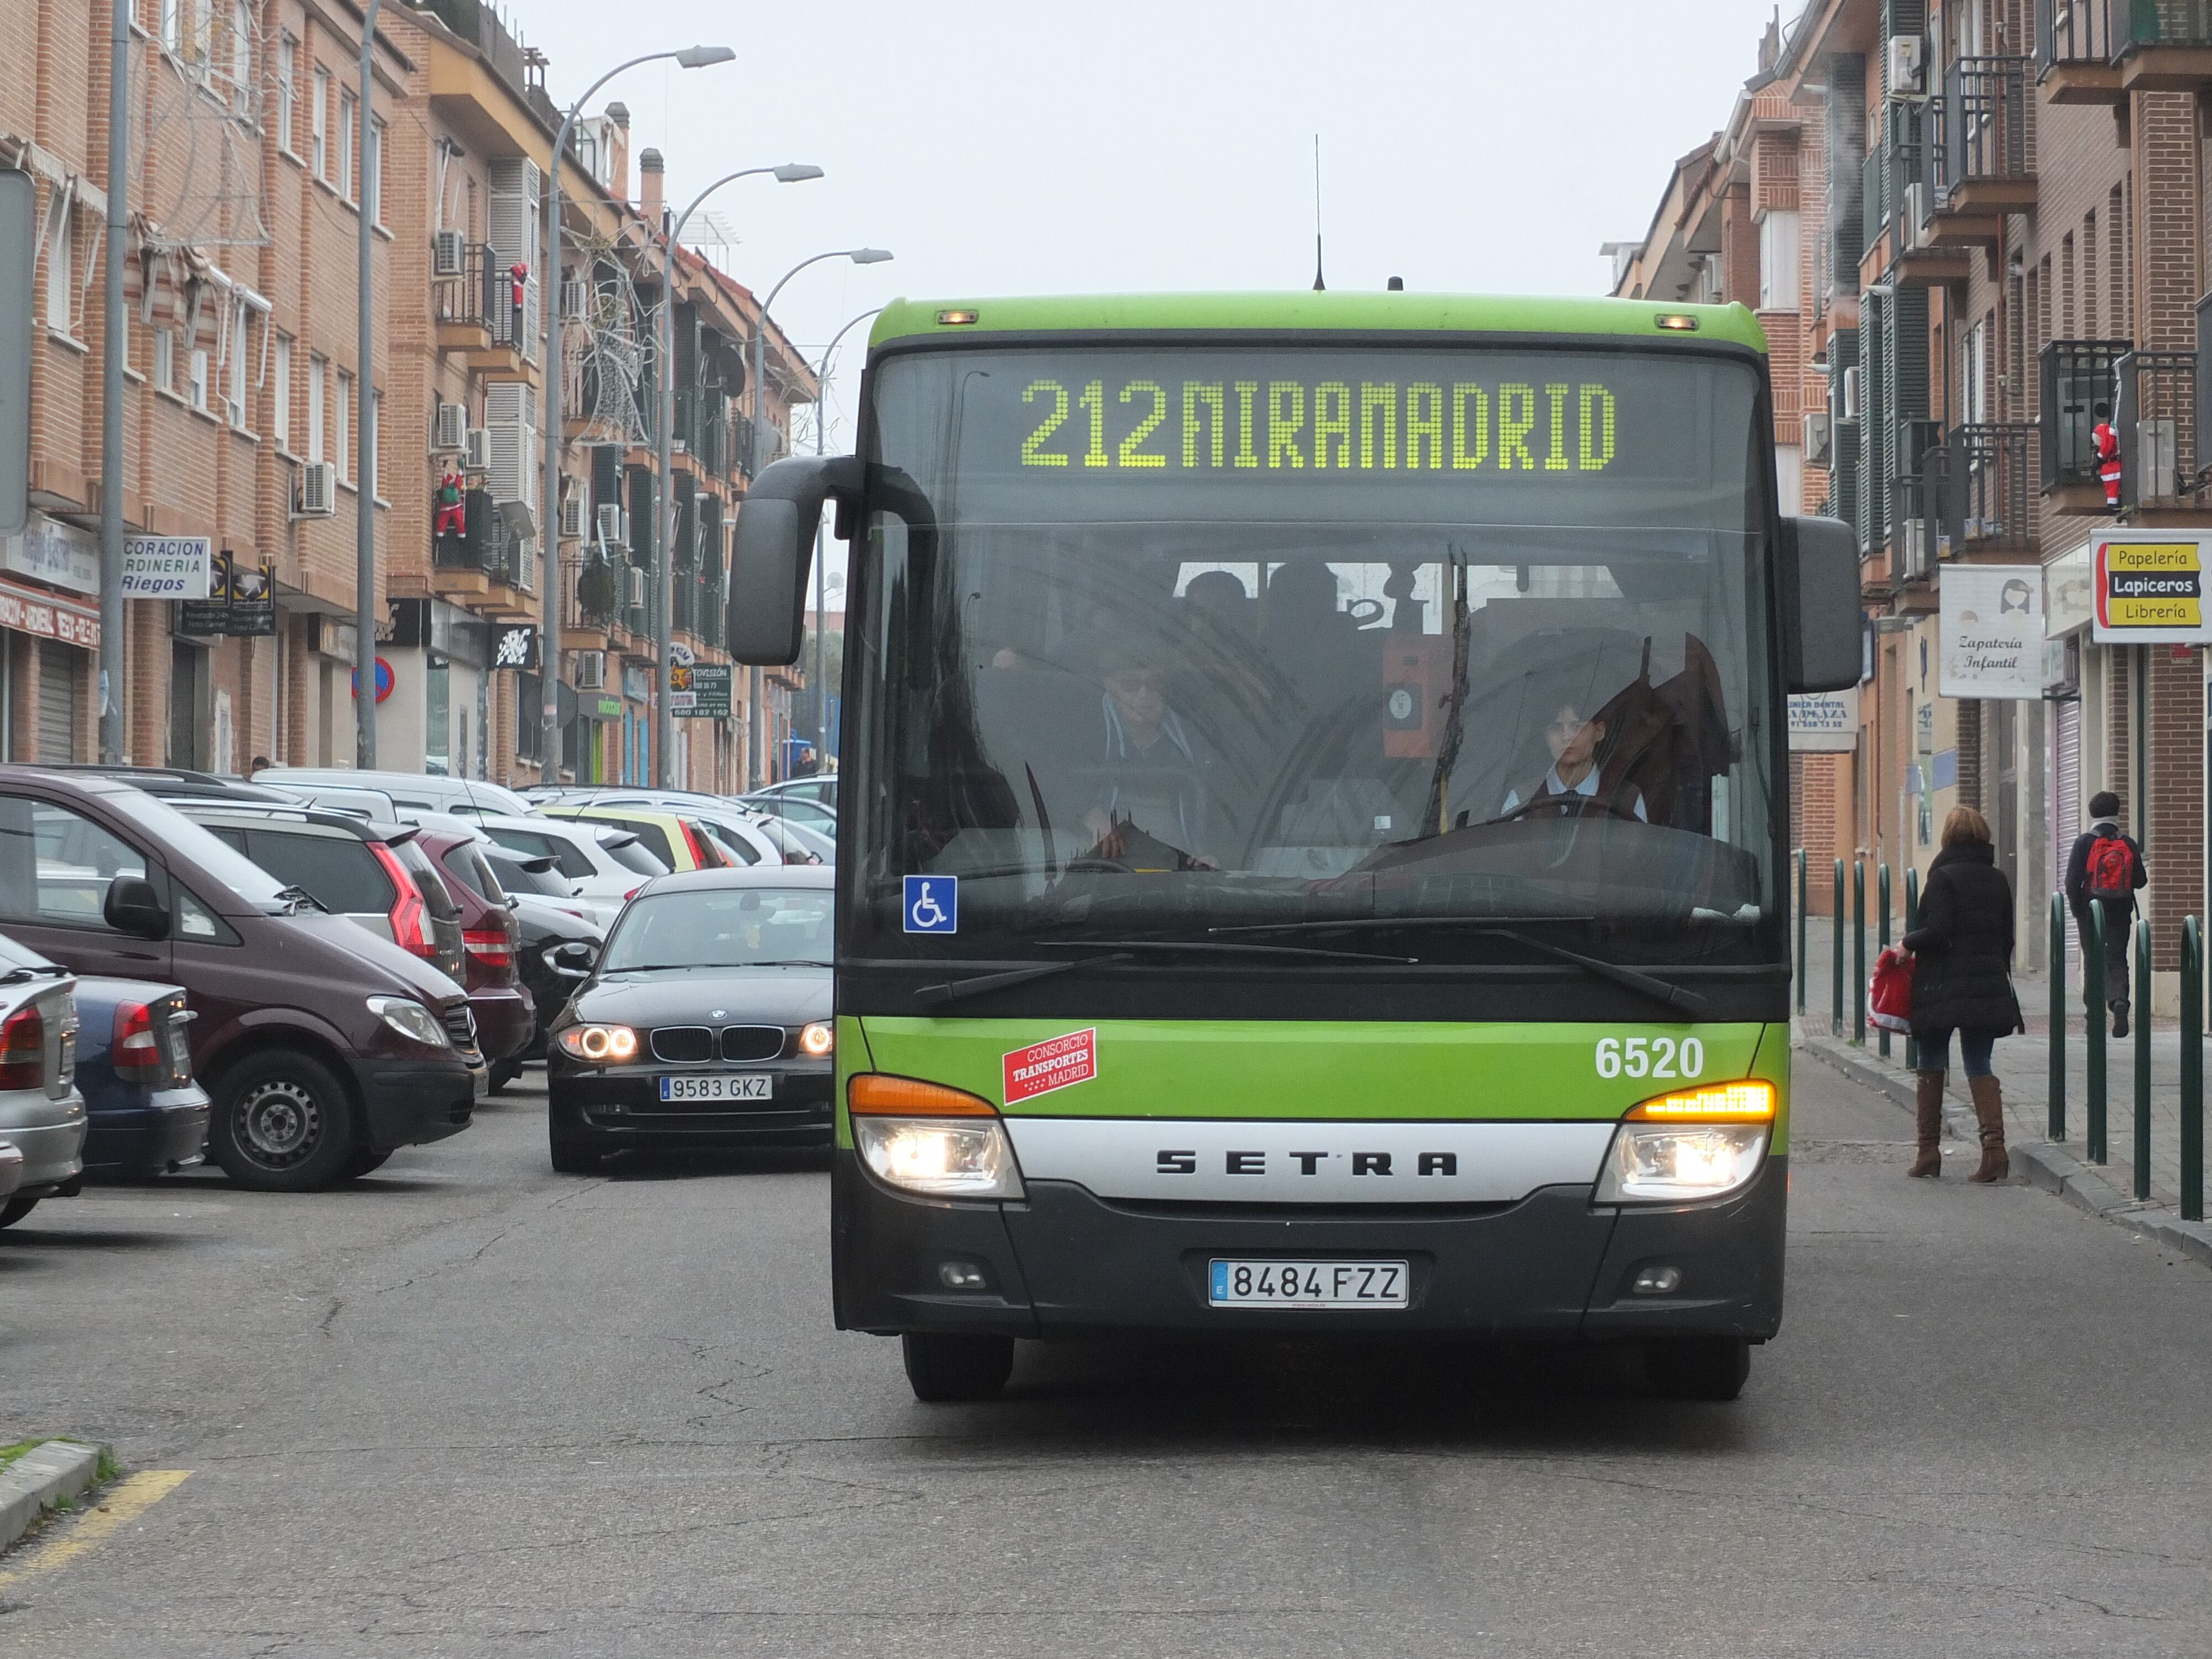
[
  {"x": 2080, "y": 387},
  {"x": 2072, "y": 34},
  {"x": 486, "y": 544},
  {"x": 2140, "y": 23},
  {"x": 484, "y": 294},
  {"x": 1983, "y": 124},
  {"x": 2161, "y": 463},
  {"x": 1891, "y": 206},
  {"x": 1988, "y": 493}
]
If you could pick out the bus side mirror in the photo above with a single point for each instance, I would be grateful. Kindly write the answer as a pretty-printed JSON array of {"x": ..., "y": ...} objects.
[
  {"x": 1821, "y": 620},
  {"x": 775, "y": 551}
]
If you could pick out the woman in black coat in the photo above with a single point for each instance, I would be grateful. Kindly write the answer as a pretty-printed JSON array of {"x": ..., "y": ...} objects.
[{"x": 1962, "y": 982}]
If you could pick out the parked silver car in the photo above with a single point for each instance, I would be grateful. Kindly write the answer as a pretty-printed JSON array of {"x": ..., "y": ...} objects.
[{"x": 41, "y": 1113}]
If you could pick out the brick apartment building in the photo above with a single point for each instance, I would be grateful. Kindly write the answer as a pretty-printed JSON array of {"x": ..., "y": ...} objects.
[
  {"x": 241, "y": 281},
  {"x": 1974, "y": 230}
]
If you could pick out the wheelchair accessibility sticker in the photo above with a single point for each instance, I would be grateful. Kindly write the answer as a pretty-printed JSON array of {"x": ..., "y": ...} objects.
[{"x": 932, "y": 904}]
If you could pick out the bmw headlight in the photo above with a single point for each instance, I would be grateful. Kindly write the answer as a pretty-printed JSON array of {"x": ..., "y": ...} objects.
[
  {"x": 817, "y": 1041},
  {"x": 1695, "y": 1145},
  {"x": 411, "y": 1020},
  {"x": 599, "y": 1045}
]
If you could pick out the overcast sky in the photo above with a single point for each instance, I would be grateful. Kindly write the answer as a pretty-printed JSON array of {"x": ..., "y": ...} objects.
[{"x": 1029, "y": 146}]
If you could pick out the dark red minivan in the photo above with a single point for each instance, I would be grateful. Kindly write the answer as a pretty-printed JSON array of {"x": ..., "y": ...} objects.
[
  {"x": 324, "y": 1048},
  {"x": 506, "y": 1015}
]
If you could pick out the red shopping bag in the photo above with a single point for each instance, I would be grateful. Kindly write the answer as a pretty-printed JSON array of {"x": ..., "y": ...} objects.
[{"x": 1889, "y": 993}]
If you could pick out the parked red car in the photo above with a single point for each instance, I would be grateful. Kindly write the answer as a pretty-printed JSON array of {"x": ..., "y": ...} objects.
[{"x": 506, "y": 1017}]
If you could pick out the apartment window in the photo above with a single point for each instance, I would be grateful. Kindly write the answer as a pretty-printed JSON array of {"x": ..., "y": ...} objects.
[
  {"x": 318, "y": 122},
  {"x": 2116, "y": 266},
  {"x": 376, "y": 448},
  {"x": 319, "y": 388},
  {"x": 1778, "y": 260},
  {"x": 164, "y": 360},
  {"x": 347, "y": 105},
  {"x": 241, "y": 61},
  {"x": 199, "y": 380},
  {"x": 372, "y": 175},
  {"x": 61, "y": 263},
  {"x": 280, "y": 404},
  {"x": 2089, "y": 312},
  {"x": 234, "y": 371},
  {"x": 172, "y": 25},
  {"x": 342, "y": 425},
  {"x": 288, "y": 90},
  {"x": 1973, "y": 370}
]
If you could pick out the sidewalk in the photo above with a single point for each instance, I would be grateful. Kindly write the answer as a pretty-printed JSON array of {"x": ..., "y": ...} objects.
[{"x": 2023, "y": 1067}]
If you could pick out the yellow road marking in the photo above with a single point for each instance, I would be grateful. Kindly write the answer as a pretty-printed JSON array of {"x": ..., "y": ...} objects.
[{"x": 123, "y": 1505}]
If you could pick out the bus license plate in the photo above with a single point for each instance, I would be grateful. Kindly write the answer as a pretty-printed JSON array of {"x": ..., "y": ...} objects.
[
  {"x": 1308, "y": 1283},
  {"x": 744, "y": 1085}
]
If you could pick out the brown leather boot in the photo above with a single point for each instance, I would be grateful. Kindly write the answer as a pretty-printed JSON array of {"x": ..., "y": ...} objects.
[
  {"x": 1928, "y": 1120},
  {"x": 1989, "y": 1115}
]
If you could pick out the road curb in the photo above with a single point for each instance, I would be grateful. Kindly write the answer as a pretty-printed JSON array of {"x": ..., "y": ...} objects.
[
  {"x": 42, "y": 1477},
  {"x": 2035, "y": 1163}
]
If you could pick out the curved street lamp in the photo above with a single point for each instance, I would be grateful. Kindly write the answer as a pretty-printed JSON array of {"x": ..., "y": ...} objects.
[
  {"x": 548, "y": 528},
  {"x": 755, "y": 686},
  {"x": 664, "y": 574}
]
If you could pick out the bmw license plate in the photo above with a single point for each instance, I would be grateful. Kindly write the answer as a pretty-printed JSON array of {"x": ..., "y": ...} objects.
[
  {"x": 1308, "y": 1283},
  {"x": 742, "y": 1085}
]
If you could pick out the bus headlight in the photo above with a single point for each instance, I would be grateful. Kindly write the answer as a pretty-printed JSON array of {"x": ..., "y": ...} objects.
[
  {"x": 1695, "y": 1144},
  {"x": 925, "y": 1138}
]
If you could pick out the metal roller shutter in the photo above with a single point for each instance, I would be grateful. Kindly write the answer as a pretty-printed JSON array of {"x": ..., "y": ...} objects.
[{"x": 59, "y": 701}]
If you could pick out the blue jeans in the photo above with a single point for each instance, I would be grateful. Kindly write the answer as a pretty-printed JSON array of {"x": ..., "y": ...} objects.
[{"x": 1975, "y": 1052}]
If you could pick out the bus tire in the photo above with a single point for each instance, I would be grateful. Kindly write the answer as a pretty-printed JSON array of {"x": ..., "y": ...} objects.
[
  {"x": 1697, "y": 1367},
  {"x": 944, "y": 1366}
]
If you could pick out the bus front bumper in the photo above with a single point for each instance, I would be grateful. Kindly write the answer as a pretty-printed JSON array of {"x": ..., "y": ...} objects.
[{"x": 1550, "y": 1268}]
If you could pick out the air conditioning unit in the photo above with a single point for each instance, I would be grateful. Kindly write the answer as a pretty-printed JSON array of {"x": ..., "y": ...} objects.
[
  {"x": 449, "y": 253},
  {"x": 1917, "y": 213},
  {"x": 2156, "y": 445},
  {"x": 1820, "y": 438},
  {"x": 1907, "y": 54},
  {"x": 614, "y": 531},
  {"x": 451, "y": 429},
  {"x": 318, "y": 491},
  {"x": 476, "y": 449},
  {"x": 1852, "y": 379},
  {"x": 633, "y": 589},
  {"x": 575, "y": 301},
  {"x": 591, "y": 671},
  {"x": 572, "y": 517}
]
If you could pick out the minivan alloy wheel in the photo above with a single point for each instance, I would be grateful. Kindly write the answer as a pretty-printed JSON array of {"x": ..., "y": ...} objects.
[{"x": 280, "y": 1123}]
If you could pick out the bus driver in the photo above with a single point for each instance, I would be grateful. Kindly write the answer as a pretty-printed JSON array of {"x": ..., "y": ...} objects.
[{"x": 1574, "y": 740}]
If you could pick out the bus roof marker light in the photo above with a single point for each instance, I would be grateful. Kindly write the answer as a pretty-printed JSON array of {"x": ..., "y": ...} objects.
[
  {"x": 1677, "y": 322},
  {"x": 956, "y": 319},
  {"x": 1751, "y": 1101}
]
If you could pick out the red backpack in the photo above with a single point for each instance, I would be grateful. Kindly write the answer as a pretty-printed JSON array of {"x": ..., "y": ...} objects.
[{"x": 2111, "y": 868}]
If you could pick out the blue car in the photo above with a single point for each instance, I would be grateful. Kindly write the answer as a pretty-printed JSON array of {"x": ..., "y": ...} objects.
[{"x": 134, "y": 1067}]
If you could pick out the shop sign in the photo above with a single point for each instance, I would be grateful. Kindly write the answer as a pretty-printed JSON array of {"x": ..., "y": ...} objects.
[
  {"x": 166, "y": 567},
  {"x": 56, "y": 553},
  {"x": 49, "y": 619},
  {"x": 610, "y": 708},
  {"x": 2068, "y": 606},
  {"x": 1992, "y": 631},
  {"x": 1825, "y": 722},
  {"x": 2148, "y": 589},
  {"x": 637, "y": 684},
  {"x": 699, "y": 690},
  {"x": 242, "y": 601},
  {"x": 514, "y": 647}
]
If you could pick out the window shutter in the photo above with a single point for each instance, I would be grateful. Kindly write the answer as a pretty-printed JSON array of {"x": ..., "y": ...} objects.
[{"x": 1847, "y": 150}]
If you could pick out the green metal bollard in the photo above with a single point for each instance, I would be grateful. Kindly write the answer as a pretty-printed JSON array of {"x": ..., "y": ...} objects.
[
  {"x": 1801, "y": 929},
  {"x": 2093, "y": 993},
  {"x": 1911, "y": 921},
  {"x": 1858, "y": 952},
  {"x": 1836, "y": 985},
  {"x": 2055, "y": 1129},
  {"x": 2142, "y": 1059},
  {"x": 1881, "y": 924},
  {"x": 2192, "y": 1071}
]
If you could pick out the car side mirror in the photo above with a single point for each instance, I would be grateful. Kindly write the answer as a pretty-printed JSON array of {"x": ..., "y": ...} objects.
[
  {"x": 773, "y": 551},
  {"x": 133, "y": 907},
  {"x": 1818, "y": 572},
  {"x": 572, "y": 960}
]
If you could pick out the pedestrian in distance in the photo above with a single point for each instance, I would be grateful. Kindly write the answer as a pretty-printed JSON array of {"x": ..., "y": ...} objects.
[
  {"x": 1962, "y": 982},
  {"x": 2108, "y": 865}
]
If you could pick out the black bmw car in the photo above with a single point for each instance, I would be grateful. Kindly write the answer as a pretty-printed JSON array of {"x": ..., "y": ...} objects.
[{"x": 705, "y": 1021}]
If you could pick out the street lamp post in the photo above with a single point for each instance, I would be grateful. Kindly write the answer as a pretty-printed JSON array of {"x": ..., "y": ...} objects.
[
  {"x": 821, "y": 563},
  {"x": 111, "y": 393},
  {"x": 664, "y": 575},
  {"x": 755, "y": 684},
  {"x": 548, "y": 528},
  {"x": 364, "y": 419}
]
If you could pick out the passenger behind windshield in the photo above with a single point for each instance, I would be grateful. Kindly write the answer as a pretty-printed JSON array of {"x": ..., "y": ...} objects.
[{"x": 1151, "y": 788}]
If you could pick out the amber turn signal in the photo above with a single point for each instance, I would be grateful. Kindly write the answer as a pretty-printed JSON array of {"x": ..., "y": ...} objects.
[
  {"x": 874, "y": 1094},
  {"x": 1748, "y": 1101}
]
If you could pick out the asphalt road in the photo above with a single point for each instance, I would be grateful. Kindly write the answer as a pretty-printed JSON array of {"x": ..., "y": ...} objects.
[{"x": 470, "y": 1407}]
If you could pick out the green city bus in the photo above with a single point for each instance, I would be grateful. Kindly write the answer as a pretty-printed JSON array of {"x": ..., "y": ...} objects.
[{"x": 1313, "y": 795}]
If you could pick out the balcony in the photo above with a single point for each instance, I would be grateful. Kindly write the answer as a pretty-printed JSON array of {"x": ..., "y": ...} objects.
[
  {"x": 2075, "y": 61},
  {"x": 1985, "y": 159},
  {"x": 1988, "y": 495},
  {"x": 2080, "y": 387},
  {"x": 484, "y": 562},
  {"x": 1897, "y": 199},
  {"x": 477, "y": 317},
  {"x": 2162, "y": 467}
]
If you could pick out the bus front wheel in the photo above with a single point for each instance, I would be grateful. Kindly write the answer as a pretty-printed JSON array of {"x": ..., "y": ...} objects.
[
  {"x": 942, "y": 1366},
  {"x": 1697, "y": 1367}
]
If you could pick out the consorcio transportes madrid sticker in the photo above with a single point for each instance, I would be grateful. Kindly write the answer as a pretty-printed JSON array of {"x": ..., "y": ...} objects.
[{"x": 1056, "y": 1063}]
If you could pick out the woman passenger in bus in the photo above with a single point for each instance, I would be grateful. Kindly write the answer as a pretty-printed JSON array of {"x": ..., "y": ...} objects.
[{"x": 1576, "y": 741}]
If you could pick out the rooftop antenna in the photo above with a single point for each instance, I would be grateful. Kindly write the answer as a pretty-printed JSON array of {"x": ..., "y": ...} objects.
[{"x": 1319, "y": 285}]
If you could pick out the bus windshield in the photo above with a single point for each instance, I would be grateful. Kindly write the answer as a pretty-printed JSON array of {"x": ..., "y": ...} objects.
[{"x": 1175, "y": 640}]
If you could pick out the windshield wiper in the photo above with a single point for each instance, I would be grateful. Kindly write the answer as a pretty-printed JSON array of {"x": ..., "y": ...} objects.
[
  {"x": 787, "y": 962},
  {"x": 1688, "y": 1002},
  {"x": 17, "y": 975}
]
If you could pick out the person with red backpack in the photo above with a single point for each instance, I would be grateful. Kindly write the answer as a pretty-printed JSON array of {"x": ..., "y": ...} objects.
[{"x": 2108, "y": 865}]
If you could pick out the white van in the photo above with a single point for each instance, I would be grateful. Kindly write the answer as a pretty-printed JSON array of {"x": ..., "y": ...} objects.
[{"x": 463, "y": 798}]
